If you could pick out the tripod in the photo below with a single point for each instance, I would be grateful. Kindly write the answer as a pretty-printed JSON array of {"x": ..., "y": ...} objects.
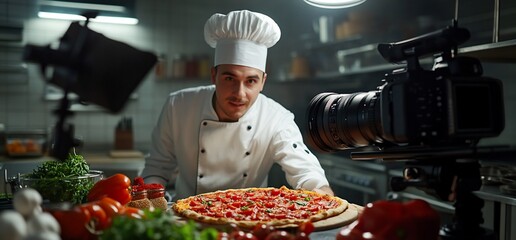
[{"x": 450, "y": 180}]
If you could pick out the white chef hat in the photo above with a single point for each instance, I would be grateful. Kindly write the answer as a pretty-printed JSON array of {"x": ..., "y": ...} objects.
[{"x": 241, "y": 38}]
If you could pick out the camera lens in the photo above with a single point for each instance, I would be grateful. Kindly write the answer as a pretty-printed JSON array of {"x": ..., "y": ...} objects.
[{"x": 343, "y": 121}]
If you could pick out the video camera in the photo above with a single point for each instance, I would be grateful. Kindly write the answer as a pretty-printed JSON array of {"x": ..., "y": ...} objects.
[
  {"x": 431, "y": 119},
  {"x": 450, "y": 105}
]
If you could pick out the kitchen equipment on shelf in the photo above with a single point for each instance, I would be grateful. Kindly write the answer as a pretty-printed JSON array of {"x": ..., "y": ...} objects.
[
  {"x": 124, "y": 134},
  {"x": 26, "y": 143}
]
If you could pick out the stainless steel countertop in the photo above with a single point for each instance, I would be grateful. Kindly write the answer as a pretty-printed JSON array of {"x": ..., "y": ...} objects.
[{"x": 493, "y": 193}]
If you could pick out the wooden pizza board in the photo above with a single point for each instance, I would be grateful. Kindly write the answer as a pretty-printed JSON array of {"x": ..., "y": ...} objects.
[{"x": 343, "y": 219}]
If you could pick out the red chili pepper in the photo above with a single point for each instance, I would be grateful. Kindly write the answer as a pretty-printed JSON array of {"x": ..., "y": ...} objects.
[
  {"x": 389, "y": 220},
  {"x": 116, "y": 187}
]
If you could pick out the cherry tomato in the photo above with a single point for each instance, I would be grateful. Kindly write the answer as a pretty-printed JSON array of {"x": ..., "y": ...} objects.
[
  {"x": 262, "y": 230},
  {"x": 306, "y": 227},
  {"x": 223, "y": 236},
  {"x": 280, "y": 235},
  {"x": 237, "y": 234},
  {"x": 351, "y": 233},
  {"x": 301, "y": 236},
  {"x": 246, "y": 236}
]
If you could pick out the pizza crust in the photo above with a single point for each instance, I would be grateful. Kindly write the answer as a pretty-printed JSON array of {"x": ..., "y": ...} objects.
[{"x": 182, "y": 208}]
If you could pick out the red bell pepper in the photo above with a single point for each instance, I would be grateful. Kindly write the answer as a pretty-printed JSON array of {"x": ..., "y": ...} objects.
[
  {"x": 117, "y": 187},
  {"x": 389, "y": 220}
]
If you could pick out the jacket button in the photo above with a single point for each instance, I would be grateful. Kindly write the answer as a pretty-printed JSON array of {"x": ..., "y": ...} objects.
[
  {"x": 247, "y": 153},
  {"x": 294, "y": 145},
  {"x": 245, "y": 174},
  {"x": 204, "y": 123},
  {"x": 203, "y": 151},
  {"x": 249, "y": 128},
  {"x": 201, "y": 176}
]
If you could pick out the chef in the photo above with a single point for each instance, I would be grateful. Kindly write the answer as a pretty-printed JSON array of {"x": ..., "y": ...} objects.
[{"x": 228, "y": 135}]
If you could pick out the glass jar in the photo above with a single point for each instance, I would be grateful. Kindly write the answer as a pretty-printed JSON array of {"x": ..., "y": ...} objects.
[
  {"x": 139, "y": 199},
  {"x": 157, "y": 198}
]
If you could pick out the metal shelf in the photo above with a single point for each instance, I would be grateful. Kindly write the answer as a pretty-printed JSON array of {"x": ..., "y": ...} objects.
[{"x": 504, "y": 51}]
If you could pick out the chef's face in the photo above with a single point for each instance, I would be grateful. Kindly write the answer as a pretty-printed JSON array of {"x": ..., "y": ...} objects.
[{"x": 237, "y": 88}]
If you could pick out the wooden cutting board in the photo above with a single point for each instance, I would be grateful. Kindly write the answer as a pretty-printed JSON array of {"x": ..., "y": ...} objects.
[{"x": 343, "y": 219}]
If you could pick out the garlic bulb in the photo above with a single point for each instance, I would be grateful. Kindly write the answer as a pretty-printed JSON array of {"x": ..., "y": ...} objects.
[
  {"x": 42, "y": 222},
  {"x": 27, "y": 201},
  {"x": 12, "y": 225}
]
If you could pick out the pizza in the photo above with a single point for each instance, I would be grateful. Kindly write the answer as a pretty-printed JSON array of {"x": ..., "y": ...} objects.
[{"x": 249, "y": 207}]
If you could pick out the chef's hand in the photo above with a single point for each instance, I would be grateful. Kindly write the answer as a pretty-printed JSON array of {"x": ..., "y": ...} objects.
[{"x": 324, "y": 190}]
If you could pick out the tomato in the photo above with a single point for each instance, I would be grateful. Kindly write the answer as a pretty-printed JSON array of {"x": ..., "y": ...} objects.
[
  {"x": 306, "y": 227},
  {"x": 292, "y": 207},
  {"x": 394, "y": 220},
  {"x": 223, "y": 236},
  {"x": 351, "y": 233},
  {"x": 275, "y": 192},
  {"x": 116, "y": 187},
  {"x": 73, "y": 223},
  {"x": 292, "y": 197},
  {"x": 262, "y": 230},
  {"x": 301, "y": 236},
  {"x": 131, "y": 212},
  {"x": 280, "y": 235},
  {"x": 229, "y": 214},
  {"x": 98, "y": 215},
  {"x": 237, "y": 234},
  {"x": 110, "y": 206}
]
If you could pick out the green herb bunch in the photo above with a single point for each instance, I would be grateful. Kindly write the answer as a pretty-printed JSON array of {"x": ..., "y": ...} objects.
[
  {"x": 157, "y": 224},
  {"x": 57, "y": 180}
]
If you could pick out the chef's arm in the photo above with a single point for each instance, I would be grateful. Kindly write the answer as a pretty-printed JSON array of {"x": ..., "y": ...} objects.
[{"x": 324, "y": 190}]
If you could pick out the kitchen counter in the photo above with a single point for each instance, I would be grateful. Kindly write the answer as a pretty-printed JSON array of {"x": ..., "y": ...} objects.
[{"x": 130, "y": 164}]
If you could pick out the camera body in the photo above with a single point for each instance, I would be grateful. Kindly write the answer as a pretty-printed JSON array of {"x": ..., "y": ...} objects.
[
  {"x": 451, "y": 104},
  {"x": 435, "y": 107}
]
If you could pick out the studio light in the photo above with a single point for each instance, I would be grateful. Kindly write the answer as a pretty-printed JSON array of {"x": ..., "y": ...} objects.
[{"x": 334, "y": 3}]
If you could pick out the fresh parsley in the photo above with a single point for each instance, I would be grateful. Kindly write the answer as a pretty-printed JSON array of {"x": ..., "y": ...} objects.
[
  {"x": 157, "y": 225},
  {"x": 57, "y": 180}
]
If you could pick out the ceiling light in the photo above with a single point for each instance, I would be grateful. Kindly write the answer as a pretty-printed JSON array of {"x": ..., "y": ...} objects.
[
  {"x": 109, "y": 11},
  {"x": 334, "y": 3},
  {"x": 76, "y": 17}
]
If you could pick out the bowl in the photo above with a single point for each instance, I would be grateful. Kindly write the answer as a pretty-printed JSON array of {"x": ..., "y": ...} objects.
[{"x": 66, "y": 189}]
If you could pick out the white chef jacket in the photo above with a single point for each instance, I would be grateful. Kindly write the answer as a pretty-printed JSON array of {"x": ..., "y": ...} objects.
[{"x": 199, "y": 154}]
